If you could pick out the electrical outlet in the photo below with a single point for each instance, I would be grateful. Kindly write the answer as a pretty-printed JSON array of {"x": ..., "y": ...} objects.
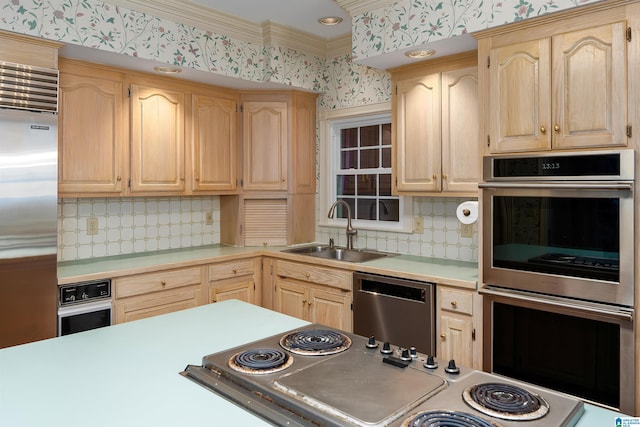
[
  {"x": 466, "y": 230},
  {"x": 418, "y": 224},
  {"x": 92, "y": 225},
  {"x": 208, "y": 218}
]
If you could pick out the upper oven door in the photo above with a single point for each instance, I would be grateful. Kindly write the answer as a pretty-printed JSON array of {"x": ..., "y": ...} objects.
[{"x": 572, "y": 239}]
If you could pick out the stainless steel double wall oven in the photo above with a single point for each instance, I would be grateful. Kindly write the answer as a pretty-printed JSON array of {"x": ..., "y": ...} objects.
[{"x": 558, "y": 272}]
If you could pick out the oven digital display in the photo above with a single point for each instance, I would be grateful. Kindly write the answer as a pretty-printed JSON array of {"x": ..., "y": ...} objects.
[{"x": 561, "y": 166}]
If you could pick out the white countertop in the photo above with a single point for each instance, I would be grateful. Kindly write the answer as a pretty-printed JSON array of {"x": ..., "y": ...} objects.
[{"x": 127, "y": 374}]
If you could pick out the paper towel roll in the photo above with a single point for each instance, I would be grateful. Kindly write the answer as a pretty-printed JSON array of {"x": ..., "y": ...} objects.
[{"x": 467, "y": 212}]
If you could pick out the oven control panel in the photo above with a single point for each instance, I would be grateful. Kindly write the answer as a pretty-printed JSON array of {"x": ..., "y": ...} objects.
[{"x": 83, "y": 292}]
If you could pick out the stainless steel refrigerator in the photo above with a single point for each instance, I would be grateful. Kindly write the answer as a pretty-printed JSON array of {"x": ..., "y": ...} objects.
[{"x": 28, "y": 203}]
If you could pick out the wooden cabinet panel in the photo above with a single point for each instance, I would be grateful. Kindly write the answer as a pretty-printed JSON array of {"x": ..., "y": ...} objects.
[
  {"x": 320, "y": 275},
  {"x": 417, "y": 130},
  {"x": 157, "y": 139},
  {"x": 92, "y": 132},
  {"x": 230, "y": 269},
  {"x": 236, "y": 279},
  {"x": 303, "y": 144},
  {"x": 456, "y": 326},
  {"x": 265, "y": 135},
  {"x": 143, "y": 306},
  {"x": 456, "y": 301},
  {"x": 154, "y": 282},
  {"x": 215, "y": 145},
  {"x": 291, "y": 298},
  {"x": 330, "y": 308},
  {"x": 242, "y": 289},
  {"x": 455, "y": 340}
]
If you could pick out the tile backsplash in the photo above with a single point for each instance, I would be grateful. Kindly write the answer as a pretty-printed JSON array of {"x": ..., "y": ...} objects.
[
  {"x": 143, "y": 224},
  {"x": 128, "y": 225}
]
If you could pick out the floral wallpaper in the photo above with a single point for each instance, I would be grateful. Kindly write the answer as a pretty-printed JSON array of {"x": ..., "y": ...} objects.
[{"x": 409, "y": 23}]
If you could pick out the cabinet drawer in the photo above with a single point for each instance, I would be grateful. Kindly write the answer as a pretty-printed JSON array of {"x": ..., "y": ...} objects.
[
  {"x": 456, "y": 300},
  {"x": 321, "y": 275},
  {"x": 225, "y": 270},
  {"x": 153, "y": 282}
]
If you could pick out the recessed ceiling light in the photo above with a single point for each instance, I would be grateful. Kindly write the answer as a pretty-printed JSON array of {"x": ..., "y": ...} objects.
[
  {"x": 420, "y": 53},
  {"x": 330, "y": 20},
  {"x": 167, "y": 69}
]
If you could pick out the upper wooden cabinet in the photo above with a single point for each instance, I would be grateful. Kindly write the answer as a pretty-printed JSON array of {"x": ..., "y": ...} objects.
[
  {"x": 157, "y": 139},
  {"x": 215, "y": 143},
  {"x": 123, "y": 133},
  {"x": 436, "y": 146},
  {"x": 92, "y": 127},
  {"x": 558, "y": 85},
  {"x": 28, "y": 50}
]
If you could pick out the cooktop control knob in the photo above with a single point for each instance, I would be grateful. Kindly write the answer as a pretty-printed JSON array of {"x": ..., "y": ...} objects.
[
  {"x": 452, "y": 368},
  {"x": 413, "y": 352},
  {"x": 372, "y": 342},
  {"x": 386, "y": 348},
  {"x": 430, "y": 363},
  {"x": 405, "y": 355}
]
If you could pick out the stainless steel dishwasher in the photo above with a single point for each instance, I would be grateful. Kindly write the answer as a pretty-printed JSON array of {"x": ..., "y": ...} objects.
[{"x": 398, "y": 311}]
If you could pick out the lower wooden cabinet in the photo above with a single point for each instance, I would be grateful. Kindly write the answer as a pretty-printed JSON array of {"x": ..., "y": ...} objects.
[
  {"x": 238, "y": 279},
  {"x": 456, "y": 328},
  {"x": 150, "y": 294},
  {"x": 316, "y": 294}
]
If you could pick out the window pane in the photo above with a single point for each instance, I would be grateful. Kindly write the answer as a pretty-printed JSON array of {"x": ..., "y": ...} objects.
[
  {"x": 386, "y": 157},
  {"x": 341, "y": 211},
  {"x": 348, "y": 160},
  {"x": 346, "y": 185},
  {"x": 367, "y": 185},
  {"x": 369, "y": 136},
  {"x": 366, "y": 209},
  {"x": 389, "y": 210},
  {"x": 385, "y": 184},
  {"x": 369, "y": 158},
  {"x": 386, "y": 134},
  {"x": 349, "y": 138}
]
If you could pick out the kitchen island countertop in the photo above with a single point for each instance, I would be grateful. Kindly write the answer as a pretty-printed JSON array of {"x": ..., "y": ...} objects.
[{"x": 128, "y": 374}]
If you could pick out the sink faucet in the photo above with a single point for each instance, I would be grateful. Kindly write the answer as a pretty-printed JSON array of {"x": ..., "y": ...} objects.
[{"x": 350, "y": 230}]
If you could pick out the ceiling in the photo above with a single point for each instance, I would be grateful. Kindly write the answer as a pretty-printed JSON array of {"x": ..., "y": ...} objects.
[{"x": 301, "y": 15}]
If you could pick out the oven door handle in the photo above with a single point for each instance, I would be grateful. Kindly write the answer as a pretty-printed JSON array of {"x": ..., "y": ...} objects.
[
  {"x": 596, "y": 185},
  {"x": 619, "y": 313},
  {"x": 86, "y": 307}
]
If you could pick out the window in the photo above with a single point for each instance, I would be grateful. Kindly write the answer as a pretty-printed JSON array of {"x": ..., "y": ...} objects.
[{"x": 357, "y": 167}]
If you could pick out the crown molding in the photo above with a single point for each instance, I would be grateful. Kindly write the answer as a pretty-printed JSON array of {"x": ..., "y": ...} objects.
[
  {"x": 357, "y": 7},
  {"x": 274, "y": 34},
  {"x": 339, "y": 47}
]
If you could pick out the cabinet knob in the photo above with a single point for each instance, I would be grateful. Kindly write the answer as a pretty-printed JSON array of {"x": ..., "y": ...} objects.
[
  {"x": 309, "y": 303},
  {"x": 434, "y": 176},
  {"x": 454, "y": 303},
  {"x": 543, "y": 130},
  {"x": 308, "y": 275},
  {"x": 444, "y": 176},
  {"x": 119, "y": 178},
  {"x": 304, "y": 301},
  {"x": 235, "y": 270},
  {"x": 556, "y": 128},
  {"x": 443, "y": 336},
  {"x": 163, "y": 283},
  {"x": 197, "y": 178}
]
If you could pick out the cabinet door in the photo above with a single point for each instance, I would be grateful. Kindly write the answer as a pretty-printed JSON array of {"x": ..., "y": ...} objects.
[
  {"x": 303, "y": 166},
  {"x": 265, "y": 135},
  {"x": 291, "y": 298},
  {"x": 157, "y": 139},
  {"x": 330, "y": 308},
  {"x": 242, "y": 288},
  {"x": 589, "y": 87},
  {"x": 520, "y": 106},
  {"x": 456, "y": 339},
  {"x": 214, "y": 144},
  {"x": 461, "y": 145},
  {"x": 143, "y": 306},
  {"x": 91, "y": 130},
  {"x": 417, "y": 156}
]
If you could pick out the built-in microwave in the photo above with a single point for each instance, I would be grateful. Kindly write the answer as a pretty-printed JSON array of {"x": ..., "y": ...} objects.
[{"x": 560, "y": 224}]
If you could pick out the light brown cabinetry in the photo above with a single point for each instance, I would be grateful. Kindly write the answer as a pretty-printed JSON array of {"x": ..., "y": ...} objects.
[
  {"x": 26, "y": 50},
  {"x": 557, "y": 85},
  {"x": 317, "y": 294},
  {"x": 215, "y": 143},
  {"x": 237, "y": 279},
  {"x": 277, "y": 201},
  {"x": 456, "y": 326},
  {"x": 157, "y": 139},
  {"x": 93, "y": 146},
  {"x": 150, "y": 294},
  {"x": 436, "y": 145}
]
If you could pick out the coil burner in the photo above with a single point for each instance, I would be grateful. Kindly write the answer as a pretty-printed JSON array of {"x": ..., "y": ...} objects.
[
  {"x": 446, "y": 419},
  {"x": 315, "y": 342},
  {"x": 505, "y": 401},
  {"x": 260, "y": 361}
]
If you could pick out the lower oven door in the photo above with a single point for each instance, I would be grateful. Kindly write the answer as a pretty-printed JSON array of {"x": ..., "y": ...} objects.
[
  {"x": 581, "y": 348},
  {"x": 84, "y": 316}
]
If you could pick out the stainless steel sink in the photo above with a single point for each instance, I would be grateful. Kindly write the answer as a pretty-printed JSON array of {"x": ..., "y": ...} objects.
[{"x": 339, "y": 254}]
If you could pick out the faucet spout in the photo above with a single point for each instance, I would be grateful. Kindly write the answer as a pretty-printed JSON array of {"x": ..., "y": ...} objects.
[{"x": 350, "y": 230}]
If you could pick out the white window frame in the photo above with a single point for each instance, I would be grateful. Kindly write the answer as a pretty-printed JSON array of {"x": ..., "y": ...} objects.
[{"x": 330, "y": 122}]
